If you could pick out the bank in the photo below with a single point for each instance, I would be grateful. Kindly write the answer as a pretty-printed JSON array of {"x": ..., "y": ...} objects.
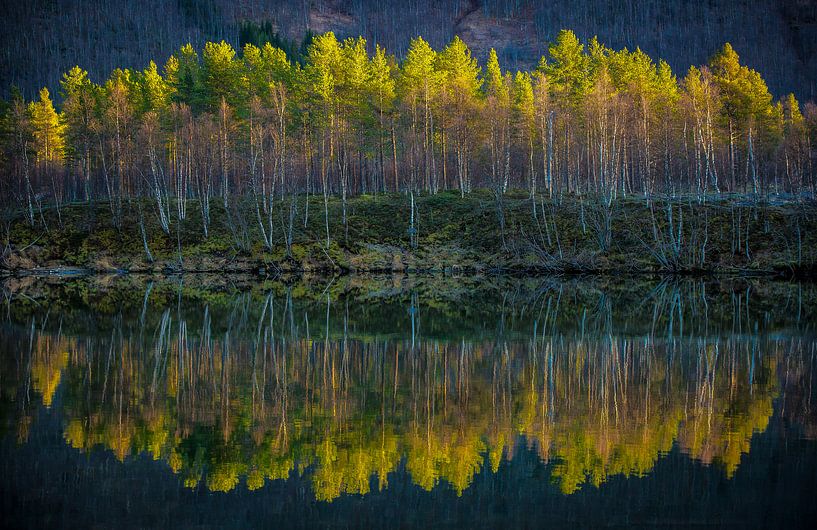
[{"x": 481, "y": 232}]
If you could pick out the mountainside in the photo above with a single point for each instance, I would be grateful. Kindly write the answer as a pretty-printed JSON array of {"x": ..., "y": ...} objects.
[{"x": 36, "y": 48}]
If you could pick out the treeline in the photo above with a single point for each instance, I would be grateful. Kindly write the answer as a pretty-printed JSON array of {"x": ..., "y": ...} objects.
[{"x": 219, "y": 127}]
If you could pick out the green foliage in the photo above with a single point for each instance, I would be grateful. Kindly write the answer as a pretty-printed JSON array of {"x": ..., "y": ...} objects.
[
  {"x": 746, "y": 101},
  {"x": 524, "y": 104},
  {"x": 222, "y": 76},
  {"x": 79, "y": 96},
  {"x": 266, "y": 66},
  {"x": 568, "y": 67},
  {"x": 153, "y": 89},
  {"x": 461, "y": 73},
  {"x": 263, "y": 33},
  {"x": 182, "y": 74},
  {"x": 47, "y": 129}
]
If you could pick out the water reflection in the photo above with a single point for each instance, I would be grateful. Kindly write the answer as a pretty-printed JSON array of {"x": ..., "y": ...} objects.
[{"x": 347, "y": 385}]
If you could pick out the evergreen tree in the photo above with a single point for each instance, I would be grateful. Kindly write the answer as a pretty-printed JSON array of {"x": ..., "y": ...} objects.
[
  {"x": 589, "y": 120},
  {"x": 222, "y": 77},
  {"x": 568, "y": 68},
  {"x": 498, "y": 115},
  {"x": 524, "y": 119},
  {"x": 460, "y": 92},
  {"x": 47, "y": 130},
  {"x": 747, "y": 116},
  {"x": 419, "y": 86},
  {"x": 79, "y": 96},
  {"x": 380, "y": 88},
  {"x": 183, "y": 77},
  {"x": 153, "y": 89}
]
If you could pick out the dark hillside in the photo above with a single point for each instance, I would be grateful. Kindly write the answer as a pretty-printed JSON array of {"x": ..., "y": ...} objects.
[{"x": 36, "y": 46}]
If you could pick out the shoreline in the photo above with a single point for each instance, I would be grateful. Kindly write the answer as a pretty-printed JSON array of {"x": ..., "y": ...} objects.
[
  {"x": 451, "y": 235},
  {"x": 261, "y": 274}
]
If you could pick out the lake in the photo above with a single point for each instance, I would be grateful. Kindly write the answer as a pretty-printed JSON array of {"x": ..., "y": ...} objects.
[{"x": 214, "y": 402}]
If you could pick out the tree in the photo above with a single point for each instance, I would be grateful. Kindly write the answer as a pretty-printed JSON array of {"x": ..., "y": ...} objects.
[
  {"x": 79, "y": 100},
  {"x": 183, "y": 78},
  {"x": 568, "y": 77},
  {"x": 524, "y": 120},
  {"x": 747, "y": 113},
  {"x": 568, "y": 68},
  {"x": 222, "y": 77},
  {"x": 460, "y": 93},
  {"x": 636, "y": 76},
  {"x": 419, "y": 84},
  {"x": 19, "y": 127},
  {"x": 318, "y": 87},
  {"x": 810, "y": 117},
  {"x": 381, "y": 92},
  {"x": 265, "y": 65},
  {"x": 116, "y": 131},
  {"x": 666, "y": 110},
  {"x": 154, "y": 90},
  {"x": 702, "y": 105},
  {"x": 544, "y": 118},
  {"x": 47, "y": 130},
  {"x": 795, "y": 146},
  {"x": 498, "y": 116},
  {"x": 355, "y": 115},
  {"x": 258, "y": 126}
]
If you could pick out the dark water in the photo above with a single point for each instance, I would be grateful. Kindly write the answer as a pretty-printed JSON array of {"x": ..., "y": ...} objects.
[{"x": 424, "y": 402}]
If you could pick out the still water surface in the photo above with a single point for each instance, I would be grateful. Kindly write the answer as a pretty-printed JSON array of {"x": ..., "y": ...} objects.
[{"x": 414, "y": 402}]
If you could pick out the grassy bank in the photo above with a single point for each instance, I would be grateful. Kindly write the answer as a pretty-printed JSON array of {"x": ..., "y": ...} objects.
[{"x": 474, "y": 233}]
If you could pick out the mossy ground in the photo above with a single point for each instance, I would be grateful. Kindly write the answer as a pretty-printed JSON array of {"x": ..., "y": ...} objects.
[{"x": 579, "y": 234}]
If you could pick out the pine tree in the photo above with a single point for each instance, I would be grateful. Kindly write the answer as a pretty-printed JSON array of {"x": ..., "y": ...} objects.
[
  {"x": 568, "y": 68},
  {"x": 381, "y": 92},
  {"x": 524, "y": 119},
  {"x": 419, "y": 87},
  {"x": 153, "y": 89},
  {"x": 319, "y": 90},
  {"x": 747, "y": 115},
  {"x": 222, "y": 77},
  {"x": 49, "y": 142},
  {"x": 79, "y": 104},
  {"x": 460, "y": 92},
  {"x": 498, "y": 115},
  {"x": 183, "y": 77}
]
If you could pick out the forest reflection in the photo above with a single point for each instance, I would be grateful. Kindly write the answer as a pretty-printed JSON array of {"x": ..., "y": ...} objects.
[{"x": 242, "y": 388}]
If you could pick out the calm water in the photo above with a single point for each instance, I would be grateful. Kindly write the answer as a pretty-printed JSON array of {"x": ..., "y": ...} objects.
[{"x": 195, "y": 402}]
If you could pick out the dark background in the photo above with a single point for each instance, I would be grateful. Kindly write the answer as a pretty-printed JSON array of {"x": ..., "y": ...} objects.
[{"x": 41, "y": 39}]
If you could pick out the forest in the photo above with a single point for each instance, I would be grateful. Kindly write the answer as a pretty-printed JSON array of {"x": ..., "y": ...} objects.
[{"x": 250, "y": 135}]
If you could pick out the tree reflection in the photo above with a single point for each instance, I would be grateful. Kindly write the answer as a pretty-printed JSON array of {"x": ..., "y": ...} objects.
[{"x": 263, "y": 385}]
